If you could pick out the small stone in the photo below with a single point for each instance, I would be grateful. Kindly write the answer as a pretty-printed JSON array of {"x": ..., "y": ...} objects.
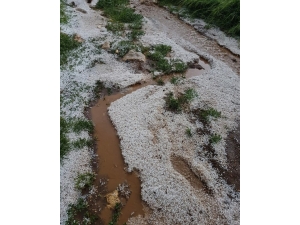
[
  {"x": 81, "y": 10},
  {"x": 78, "y": 38},
  {"x": 132, "y": 55},
  {"x": 117, "y": 51},
  {"x": 106, "y": 45}
]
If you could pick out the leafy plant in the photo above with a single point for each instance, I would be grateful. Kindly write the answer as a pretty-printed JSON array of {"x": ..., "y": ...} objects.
[
  {"x": 84, "y": 180},
  {"x": 115, "y": 27},
  {"x": 189, "y": 95},
  {"x": 162, "y": 49},
  {"x": 211, "y": 112},
  {"x": 188, "y": 132},
  {"x": 116, "y": 214},
  {"x": 215, "y": 138},
  {"x": 82, "y": 142},
  {"x": 174, "y": 80},
  {"x": 83, "y": 125}
]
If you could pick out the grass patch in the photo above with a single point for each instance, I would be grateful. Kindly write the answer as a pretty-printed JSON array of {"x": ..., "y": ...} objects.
[
  {"x": 115, "y": 27},
  {"x": 135, "y": 34},
  {"x": 215, "y": 138},
  {"x": 176, "y": 104},
  {"x": 124, "y": 46},
  {"x": 99, "y": 86},
  {"x": 64, "y": 141},
  {"x": 83, "y": 125},
  {"x": 116, "y": 214},
  {"x": 188, "y": 132},
  {"x": 160, "y": 82},
  {"x": 174, "y": 80},
  {"x": 63, "y": 15},
  {"x": 222, "y": 13},
  {"x": 162, "y": 64},
  {"x": 211, "y": 112},
  {"x": 84, "y": 180},
  {"x": 78, "y": 214},
  {"x": 82, "y": 142},
  {"x": 67, "y": 44}
]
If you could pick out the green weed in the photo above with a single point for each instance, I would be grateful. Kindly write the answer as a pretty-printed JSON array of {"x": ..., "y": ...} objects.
[
  {"x": 116, "y": 214},
  {"x": 163, "y": 49},
  {"x": 178, "y": 66},
  {"x": 189, "y": 95},
  {"x": 83, "y": 125},
  {"x": 82, "y": 142},
  {"x": 211, "y": 112},
  {"x": 115, "y": 27},
  {"x": 215, "y": 138},
  {"x": 174, "y": 80},
  {"x": 135, "y": 34},
  {"x": 64, "y": 141},
  {"x": 67, "y": 44},
  {"x": 188, "y": 132},
  {"x": 63, "y": 15},
  {"x": 176, "y": 104},
  {"x": 99, "y": 86},
  {"x": 84, "y": 180}
]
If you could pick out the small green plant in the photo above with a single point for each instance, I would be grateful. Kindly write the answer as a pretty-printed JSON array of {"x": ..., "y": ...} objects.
[
  {"x": 160, "y": 82},
  {"x": 172, "y": 103},
  {"x": 174, "y": 80},
  {"x": 82, "y": 142},
  {"x": 99, "y": 86},
  {"x": 80, "y": 208},
  {"x": 83, "y": 125},
  {"x": 215, "y": 138},
  {"x": 135, "y": 34},
  {"x": 164, "y": 66},
  {"x": 162, "y": 49},
  {"x": 63, "y": 15},
  {"x": 116, "y": 214},
  {"x": 179, "y": 66},
  {"x": 64, "y": 141},
  {"x": 189, "y": 95},
  {"x": 67, "y": 44},
  {"x": 123, "y": 47},
  {"x": 211, "y": 112},
  {"x": 84, "y": 180},
  {"x": 115, "y": 27},
  {"x": 188, "y": 132}
]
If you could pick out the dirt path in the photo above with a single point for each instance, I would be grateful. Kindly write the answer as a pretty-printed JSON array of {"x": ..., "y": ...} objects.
[{"x": 178, "y": 30}]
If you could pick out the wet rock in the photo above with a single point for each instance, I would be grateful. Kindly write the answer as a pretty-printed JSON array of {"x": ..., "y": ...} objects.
[
  {"x": 106, "y": 45},
  {"x": 134, "y": 56},
  {"x": 112, "y": 199},
  {"x": 156, "y": 73},
  {"x": 78, "y": 38},
  {"x": 81, "y": 10}
]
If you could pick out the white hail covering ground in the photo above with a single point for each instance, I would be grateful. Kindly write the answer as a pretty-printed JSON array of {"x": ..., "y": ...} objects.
[{"x": 149, "y": 134}]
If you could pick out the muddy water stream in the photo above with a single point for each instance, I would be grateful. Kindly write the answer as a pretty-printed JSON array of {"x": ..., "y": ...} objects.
[{"x": 111, "y": 163}]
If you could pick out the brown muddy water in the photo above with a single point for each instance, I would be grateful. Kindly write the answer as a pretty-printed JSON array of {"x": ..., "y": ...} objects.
[{"x": 111, "y": 163}]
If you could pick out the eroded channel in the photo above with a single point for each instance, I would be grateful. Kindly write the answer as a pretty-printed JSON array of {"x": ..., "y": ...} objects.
[{"x": 111, "y": 166}]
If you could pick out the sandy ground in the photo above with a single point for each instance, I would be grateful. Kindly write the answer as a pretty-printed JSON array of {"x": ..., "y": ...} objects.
[{"x": 150, "y": 135}]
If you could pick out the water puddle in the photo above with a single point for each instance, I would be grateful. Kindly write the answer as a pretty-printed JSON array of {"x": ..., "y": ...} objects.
[{"x": 111, "y": 163}]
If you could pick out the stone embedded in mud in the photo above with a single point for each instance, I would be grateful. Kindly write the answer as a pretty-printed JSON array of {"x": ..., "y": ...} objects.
[
  {"x": 78, "y": 38},
  {"x": 112, "y": 199},
  {"x": 106, "y": 45},
  {"x": 81, "y": 10},
  {"x": 134, "y": 56}
]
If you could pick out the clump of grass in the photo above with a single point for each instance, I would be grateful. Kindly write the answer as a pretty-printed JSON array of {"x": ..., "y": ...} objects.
[
  {"x": 84, "y": 180},
  {"x": 215, "y": 138},
  {"x": 116, "y": 214},
  {"x": 163, "y": 49},
  {"x": 78, "y": 214},
  {"x": 164, "y": 66},
  {"x": 115, "y": 27},
  {"x": 83, "y": 125},
  {"x": 211, "y": 112},
  {"x": 174, "y": 80},
  {"x": 176, "y": 104},
  {"x": 109, "y": 91},
  {"x": 82, "y": 142},
  {"x": 189, "y": 95},
  {"x": 179, "y": 66},
  {"x": 124, "y": 46},
  {"x": 63, "y": 15},
  {"x": 222, "y": 13},
  {"x": 67, "y": 44},
  {"x": 135, "y": 34},
  {"x": 160, "y": 82},
  {"x": 188, "y": 132},
  {"x": 64, "y": 141}
]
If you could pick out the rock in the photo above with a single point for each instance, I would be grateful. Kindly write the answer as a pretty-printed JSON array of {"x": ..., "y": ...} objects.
[
  {"x": 81, "y": 10},
  {"x": 106, "y": 45},
  {"x": 78, "y": 38},
  {"x": 103, "y": 29},
  {"x": 99, "y": 26},
  {"x": 156, "y": 73},
  {"x": 134, "y": 56},
  {"x": 112, "y": 199}
]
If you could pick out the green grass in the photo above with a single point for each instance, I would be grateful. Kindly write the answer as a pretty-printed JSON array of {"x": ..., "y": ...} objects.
[
  {"x": 124, "y": 47},
  {"x": 64, "y": 18},
  {"x": 80, "y": 208},
  {"x": 174, "y": 80},
  {"x": 116, "y": 214},
  {"x": 115, "y": 27},
  {"x": 99, "y": 86},
  {"x": 223, "y": 13},
  {"x": 83, "y": 125},
  {"x": 215, "y": 138},
  {"x": 67, "y": 44},
  {"x": 84, "y": 180},
  {"x": 65, "y": 145},
  {"x": 162, "y": 64},
  {"x": 135, "y": 34},
  {"x": 211, "y": 112},
  {"x": 176, "y": 104},
  {"x": 82, "y": 142},
  {"x": 188, "y": 132}
]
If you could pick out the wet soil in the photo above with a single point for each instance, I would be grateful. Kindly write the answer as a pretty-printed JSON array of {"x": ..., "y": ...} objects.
[{"x": 178, "y": 30}]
